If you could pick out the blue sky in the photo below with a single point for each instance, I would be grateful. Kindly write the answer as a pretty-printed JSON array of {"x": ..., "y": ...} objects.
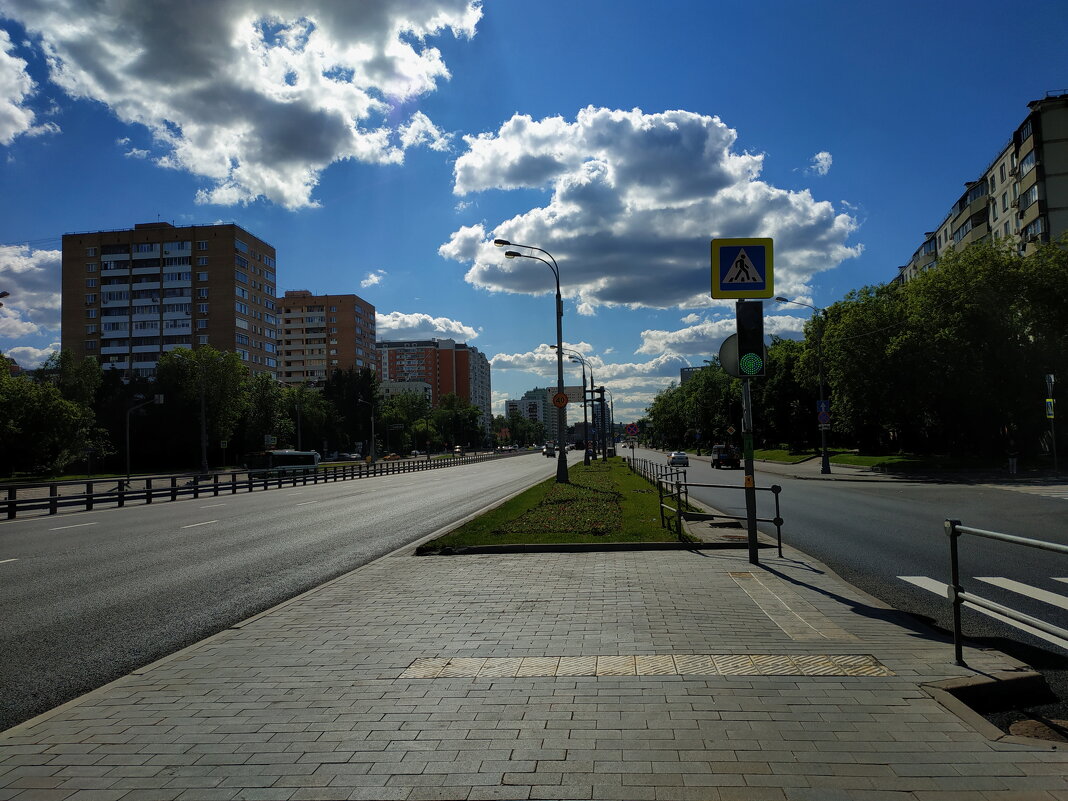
[{"x": 380, "y": 146}]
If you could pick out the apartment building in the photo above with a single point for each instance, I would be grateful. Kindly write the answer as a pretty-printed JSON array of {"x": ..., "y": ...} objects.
[
  {"x": 130, "y": 295},
  {"x": 446, "y": 365},
  {"x": 323, "y": 333},
  {"x": 1022, "y": 195},
  {"x": 536, "y": 405}
]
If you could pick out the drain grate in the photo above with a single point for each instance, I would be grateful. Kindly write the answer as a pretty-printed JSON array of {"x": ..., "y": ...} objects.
[{"x": 648, "y": 665}]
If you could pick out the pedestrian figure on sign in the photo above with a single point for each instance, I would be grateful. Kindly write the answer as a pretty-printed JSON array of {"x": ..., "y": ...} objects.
[
  {"x": 1013, "y": 455},
  {"x": 741, "y": 268}
]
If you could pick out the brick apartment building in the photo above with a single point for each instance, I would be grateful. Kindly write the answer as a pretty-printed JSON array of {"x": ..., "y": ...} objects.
[
  {"x": 323, "y": 333},
  {"x": 128, "y": 296},
  {"x": 446, "y": 365}
]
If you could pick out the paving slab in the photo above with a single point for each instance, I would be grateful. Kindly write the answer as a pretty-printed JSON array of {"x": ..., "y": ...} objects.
[{"x": 624, "y": 674}]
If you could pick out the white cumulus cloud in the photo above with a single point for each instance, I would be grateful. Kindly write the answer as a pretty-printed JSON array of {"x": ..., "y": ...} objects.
[
  {"x": 821, "y": 163},
  {"x": 16, "y": 87},
  {"x": 373, "y": 278},
  {"x": 400, "y": 326},
  {"x": 30, "y": 358},
  {"x": 33, "y": 279},
  {"x": 634, "y": 200},
  {"x": 256, "y": 98},
  {"x": 704, "y": 338}
]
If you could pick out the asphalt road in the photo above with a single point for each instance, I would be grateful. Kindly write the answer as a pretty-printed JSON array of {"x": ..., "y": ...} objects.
[{"x": 88, "y": 597}]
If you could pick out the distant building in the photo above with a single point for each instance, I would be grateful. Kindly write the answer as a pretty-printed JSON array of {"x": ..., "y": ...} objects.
[
  {"x": 389, "y": 389},
  {"x": 131, "y": 295},
  {"x": 323, "y": 333},
  {"x": 1022, "y": 195},
  {"x": 686, "y": 373},
  {"x": 449, "y": 367},
  {"x": 537, "y": 405}
]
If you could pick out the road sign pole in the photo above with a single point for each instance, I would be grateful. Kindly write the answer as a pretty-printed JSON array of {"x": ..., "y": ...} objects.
[
  {"x": 1052, "y": 428},
  {"x": 750, "y": 478}
]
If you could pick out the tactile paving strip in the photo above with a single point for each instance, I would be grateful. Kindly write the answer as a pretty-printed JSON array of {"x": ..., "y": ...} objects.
[{"x": 649, "y": 665}]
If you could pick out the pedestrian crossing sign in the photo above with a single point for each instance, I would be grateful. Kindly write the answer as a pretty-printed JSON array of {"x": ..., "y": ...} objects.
[{"x": 742, "y": 268}]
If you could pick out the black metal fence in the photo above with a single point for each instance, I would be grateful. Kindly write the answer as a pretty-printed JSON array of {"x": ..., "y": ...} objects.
[
  {"x": 958, "y": 596},
  {"x": 117, "y": 492}
]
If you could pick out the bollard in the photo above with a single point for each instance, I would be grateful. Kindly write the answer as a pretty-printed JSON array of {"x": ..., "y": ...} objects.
[
  {"x": 148, "y": 490},
  {"x": 53, "y": 502},
  {"x": 88, "y": 496}
]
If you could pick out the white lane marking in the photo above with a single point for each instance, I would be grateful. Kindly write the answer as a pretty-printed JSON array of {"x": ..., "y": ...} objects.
[
  {"x": 304, "y": 503},
  {"x": 206, "y": 522},
  {"x": 76, "y": 525},
  {"x": 1065, "y": 580},
  {"x": 1026, "y": 589},
  {"x": 5, "y": 561},
  {"x": 212, "y": 505},
  {"x": 938, "y": 588}
]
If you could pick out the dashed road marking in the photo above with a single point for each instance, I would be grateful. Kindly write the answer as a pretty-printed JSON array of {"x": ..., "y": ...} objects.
[
  {"x": 206, "y": 522},
  {"x": 76, "y": 525}
]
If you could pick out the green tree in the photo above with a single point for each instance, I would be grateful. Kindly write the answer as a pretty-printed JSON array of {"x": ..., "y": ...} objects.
[
  {"x": 42, "y": 431},
  {"x": 206, "y": 394}
]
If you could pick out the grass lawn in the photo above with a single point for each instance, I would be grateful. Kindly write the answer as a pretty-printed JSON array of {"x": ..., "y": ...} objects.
[
  {"x": 782, "y": 455},
  {"x": 604, "y": 502}
]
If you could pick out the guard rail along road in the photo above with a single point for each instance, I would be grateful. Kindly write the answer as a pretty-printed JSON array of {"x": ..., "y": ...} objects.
[
  {"x": 117, "y": 492},
  {"x": 957, "y": 596}
]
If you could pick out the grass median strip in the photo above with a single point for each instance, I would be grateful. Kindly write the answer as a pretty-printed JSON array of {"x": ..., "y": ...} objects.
[{"x": 604, "y": 502}]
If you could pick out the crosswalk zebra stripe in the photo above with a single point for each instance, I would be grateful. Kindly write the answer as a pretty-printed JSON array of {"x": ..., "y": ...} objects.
[
  {"x": 1026, "y": 589},
  {"x": 938, "y": 588}
]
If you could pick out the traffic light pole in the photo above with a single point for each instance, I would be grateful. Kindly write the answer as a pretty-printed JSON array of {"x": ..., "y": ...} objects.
[{"x": 750, "y": 477}]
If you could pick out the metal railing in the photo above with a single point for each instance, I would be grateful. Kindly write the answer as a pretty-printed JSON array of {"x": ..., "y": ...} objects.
[
  {"x": 117, "y": 492},
  {"x": 675, "y": 478},
  {"x": 958, "y": 596}
]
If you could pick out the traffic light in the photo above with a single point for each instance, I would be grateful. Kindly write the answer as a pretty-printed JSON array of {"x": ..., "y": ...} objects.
[{"x": 750, "y": 315}]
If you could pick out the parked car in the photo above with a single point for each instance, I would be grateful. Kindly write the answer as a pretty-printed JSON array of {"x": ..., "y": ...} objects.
[
  {"x": 678, "y": 459},
  {"x": 725, "y": 456}
]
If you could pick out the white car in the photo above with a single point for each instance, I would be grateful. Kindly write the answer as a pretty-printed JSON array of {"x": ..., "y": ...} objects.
[{"x": 678, "y": 459}]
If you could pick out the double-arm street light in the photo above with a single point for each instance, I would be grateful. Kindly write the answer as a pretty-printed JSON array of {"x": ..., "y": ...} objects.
[
  {"x": 577, "y": 358},
  {"x": 825, "y": 464},
  {"x": 561, "y": 418}
]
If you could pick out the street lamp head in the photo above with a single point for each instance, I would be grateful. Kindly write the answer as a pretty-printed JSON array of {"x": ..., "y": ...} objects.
[
  {"x": 511, "y": 254},
  {"x": 501, "y": 243},
  {"x": 782, "y": 300}
]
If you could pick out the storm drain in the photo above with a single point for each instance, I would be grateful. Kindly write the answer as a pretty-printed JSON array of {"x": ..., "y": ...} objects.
[{"x": 649, "y": 665}]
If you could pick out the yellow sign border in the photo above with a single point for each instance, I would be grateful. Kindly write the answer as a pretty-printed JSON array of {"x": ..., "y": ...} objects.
[{"x": 768, "y": 291}]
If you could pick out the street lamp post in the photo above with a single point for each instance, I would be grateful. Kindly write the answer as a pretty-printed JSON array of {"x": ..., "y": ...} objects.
[
  {"x": 577, "y": 358},
  {"x": 825, "y": 463},
  {"x": 561, "y": 415},
  {"x": 371, "y": 411},
  {"x": 155, "y": 399}
]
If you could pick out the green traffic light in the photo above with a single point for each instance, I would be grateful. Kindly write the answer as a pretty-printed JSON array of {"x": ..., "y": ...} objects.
[{"x": 751, "y": 364}]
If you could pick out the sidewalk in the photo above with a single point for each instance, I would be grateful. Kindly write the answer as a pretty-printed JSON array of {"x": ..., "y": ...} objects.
[{"x": 625, "y": 675}]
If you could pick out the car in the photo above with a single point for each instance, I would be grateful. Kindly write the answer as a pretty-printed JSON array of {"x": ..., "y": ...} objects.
[
  {"x": 549, "y": 450},
  {"x": 725, "y": 456},
  {"x": 678, "y": 459}
]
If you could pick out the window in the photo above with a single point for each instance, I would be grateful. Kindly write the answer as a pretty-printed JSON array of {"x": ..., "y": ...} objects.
[
  {"x": 1027, "y": 163},
  {"x": 239, "y": 245},
  {"x": 1001, "y": 172},
  {"x": 90, "y": 313},
  {"x": 90, "y": 267},
  {"x": 90, "y": 282},
  {"x": 201, "y": 325},
  {"x": 238, "y": 276},
  {"x": 90, "y": 299},
  {"x": 90, "y": 251},
  {"x": 90, "y": 344},
  {"x": 202, "y": 244},
  {"x": 242, "y": 308},
  {"x": 241, "y": 293},
  {"x": 241, "y": 339},
  {"x": 1004, "y": 201},
  {"x": 202, "y": 276},
  {"x": 202, "y": 261},
  {"x": 202, "y": 292},
  {"x": 202, "y": 308},
  {"x": 90, "y": 329},
  {"x": 1025, "y": 131},
  {"x": 1029, "y": 197},
  {"x": 994, "y": 210},
  {"x": 202, "y": 339},
  {"x": 241, "y": 323},
  {"x": 144, "y": 247},
  {"x": 243, "y": 354},
  {"x": 333, "y": 308}
]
